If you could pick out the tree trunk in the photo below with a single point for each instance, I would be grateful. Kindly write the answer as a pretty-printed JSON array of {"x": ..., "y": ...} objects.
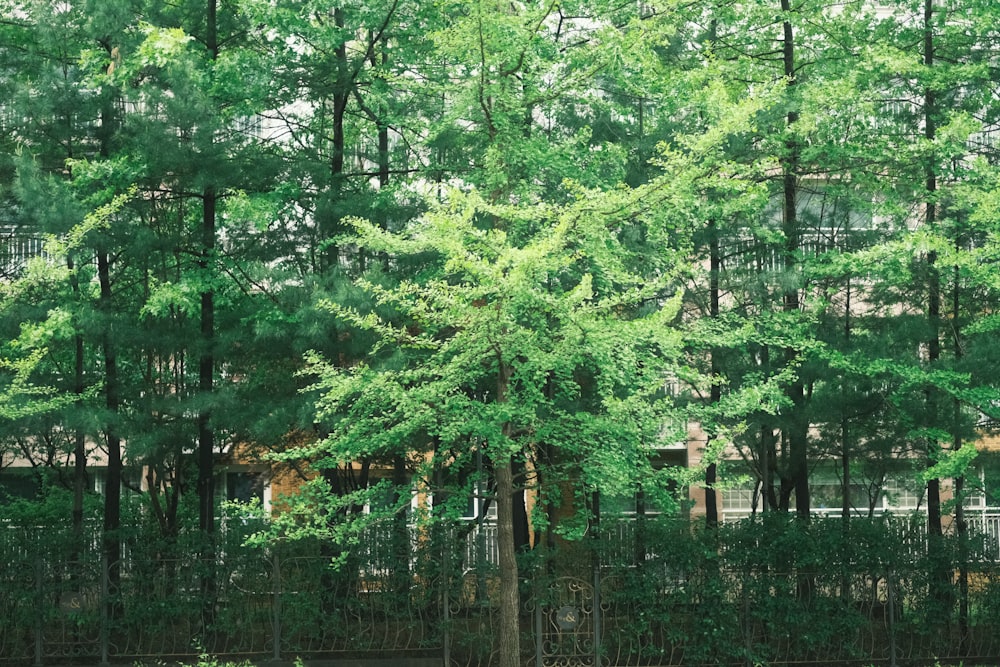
[
  {"x": 845, "y": 447},
  {"x": 962, "y": 527},
  {"x": 941, "y": 567},
  {"x": 383, "y": 129},
  {"x": 341, "y": 94},
  {"x": 767, "y": 453},
  {"x": 522, "y": 532},
  {"x": 797, "y": 427},
  {"x": 79, "y": 437},
  {"x": 330, "y": 222},
  {"x": 508, "y": 630},
  {"x": 113, "y": 480},
  {"x": 206, "y": 368},
  {"x": 845, "y": 458},
  {"x": 401, "y": 547},
  {"x": 934, "y": 279},
  {"x": 715, "y": 392}
]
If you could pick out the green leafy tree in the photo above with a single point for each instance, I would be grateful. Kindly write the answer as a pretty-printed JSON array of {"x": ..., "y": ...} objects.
[
  {"x": 531, "y": 333},
  {"x": 510, "y": 340}
]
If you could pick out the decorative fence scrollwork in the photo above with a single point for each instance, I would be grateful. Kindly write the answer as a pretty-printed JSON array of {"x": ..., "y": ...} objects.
[{"x": 565, "y": 624}]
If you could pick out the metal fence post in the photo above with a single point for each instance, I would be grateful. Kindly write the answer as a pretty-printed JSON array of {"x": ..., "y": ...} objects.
[
  {"x": 39, "y": 610},
  {"x": 539, "y": 640},
  {"x": 892, "y": 618},
  {"x": 276, "y": 605},
  {"x": 104, "y": 603},
  {"x": 445, "y": 603},
  {"x": 597, "y": 614},
  {"x": 596, "y": 565}
]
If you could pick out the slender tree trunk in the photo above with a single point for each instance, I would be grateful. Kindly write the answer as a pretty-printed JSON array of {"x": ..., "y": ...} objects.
[
  {"x": 961, "y": 524},
  {"x": 714, "y": 269},
  {"x": 796, "y": 433},
  {"x": 383, "y": 137},
  {"x": 933, "y": 277},
  {"x": 113, "y": 481},
  {"x": 341, "y": 93},
  {"x": 963, "y": 562},
  {"x": 206, "y": 369},
  {"x": 79, "y": 436},
  {"x": 522, "y": 532},
  {"x": 715, "y": 392},
  {"x": 766, "y": 449},
  {"x": 330, "y": 222},
  {"x": 845, "y": 442},
  {"x": 941, "y": 567},
  {"x": 79, "y": 444},
  {"x": 715, "y": 396},
  {"x": 113, "y": 478},
  {"x": 845, "y": 472},
  {"x": 798, "y": 428},
  {"x": 845, "y": 456}
]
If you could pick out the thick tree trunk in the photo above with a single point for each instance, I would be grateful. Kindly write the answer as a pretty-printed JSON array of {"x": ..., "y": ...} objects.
[{"x": 507, "y": 631}]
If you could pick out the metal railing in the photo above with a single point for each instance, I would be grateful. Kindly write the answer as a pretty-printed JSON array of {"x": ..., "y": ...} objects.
[{"x": 641, "y": 593}]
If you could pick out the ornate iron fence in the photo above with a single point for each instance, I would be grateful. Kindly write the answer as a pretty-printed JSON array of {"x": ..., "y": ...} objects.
[{"x": 656, "y": 594}]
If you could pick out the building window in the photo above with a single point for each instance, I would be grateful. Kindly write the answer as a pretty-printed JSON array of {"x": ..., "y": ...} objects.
[
  {"x": 628, "y": 505},
  {"x": 826, "y": 490},
  {"x": 902, "y": 494},
  {"x": 478, "y": 498},
  {"x": 245, "y": 487},
  {"x": 252, "y": 126},
  {"x": 19, "y": 484},
  {"x": 741, "y": 500},
  {"x": 131, "y": 480}
]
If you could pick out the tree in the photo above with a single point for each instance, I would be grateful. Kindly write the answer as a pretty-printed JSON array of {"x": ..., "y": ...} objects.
[
  {"x": 510, "y": 342},
  {"x": 532, "y": 333}
]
